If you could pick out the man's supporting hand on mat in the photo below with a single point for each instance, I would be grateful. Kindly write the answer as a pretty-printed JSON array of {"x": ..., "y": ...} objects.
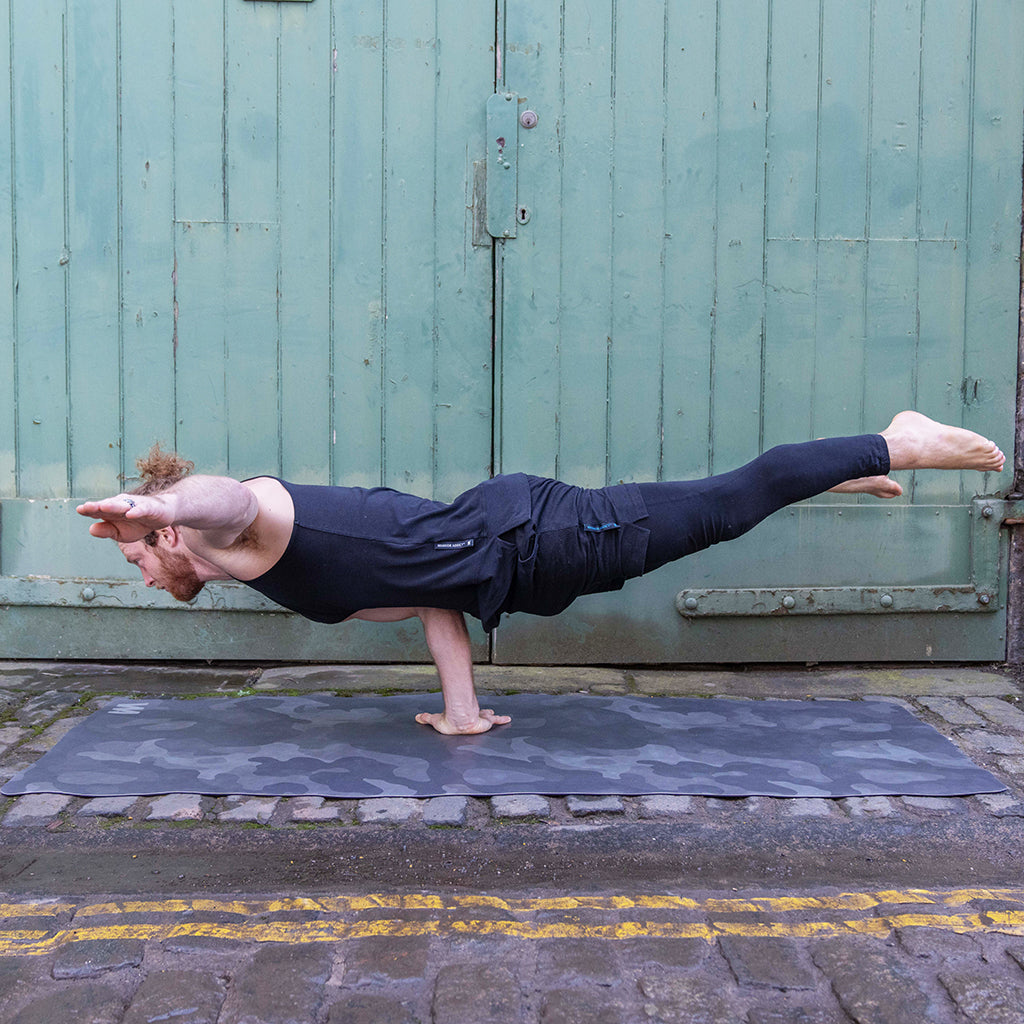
[{"x": 448, "y": 640}]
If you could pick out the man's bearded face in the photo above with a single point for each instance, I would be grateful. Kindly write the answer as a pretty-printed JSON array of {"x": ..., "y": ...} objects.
[{"x": 177, "y": 576}]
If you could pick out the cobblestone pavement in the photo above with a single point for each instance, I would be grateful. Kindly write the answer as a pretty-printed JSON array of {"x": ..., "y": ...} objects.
[
  {"x": 396, "y": 946},
  {"x": 470, "y": 958}
]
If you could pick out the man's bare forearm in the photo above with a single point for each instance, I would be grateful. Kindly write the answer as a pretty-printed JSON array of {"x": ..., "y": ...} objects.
[
  {"x": 217, "y": 507},
  {"x": 448, "y": 641}
]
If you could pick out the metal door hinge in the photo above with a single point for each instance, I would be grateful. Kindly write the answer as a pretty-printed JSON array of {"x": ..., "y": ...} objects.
[{"x": 981, "y": 593}]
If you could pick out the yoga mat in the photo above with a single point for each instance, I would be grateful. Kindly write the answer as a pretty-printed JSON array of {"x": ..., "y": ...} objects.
[{"x": 370, "y": 746}]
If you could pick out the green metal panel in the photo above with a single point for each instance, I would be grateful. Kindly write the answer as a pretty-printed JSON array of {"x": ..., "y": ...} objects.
[
  {"x": 242, "y": 229},
  {"x": 811, "y": 220},
  {"x": 247, "y": 229}
]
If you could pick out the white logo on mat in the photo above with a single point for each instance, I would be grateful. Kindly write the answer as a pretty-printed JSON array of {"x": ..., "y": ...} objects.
[{"x": 129, "y": 709}]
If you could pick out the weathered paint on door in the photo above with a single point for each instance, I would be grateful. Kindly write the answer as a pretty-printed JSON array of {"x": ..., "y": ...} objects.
[
  {"x": 242, "y": 229},
  {"x": 247, "y": 229},
  {"x": 752, "y": 224}
]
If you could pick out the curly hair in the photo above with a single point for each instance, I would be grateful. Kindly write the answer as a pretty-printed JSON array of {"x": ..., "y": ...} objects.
[{"x": 159, "y": 470}]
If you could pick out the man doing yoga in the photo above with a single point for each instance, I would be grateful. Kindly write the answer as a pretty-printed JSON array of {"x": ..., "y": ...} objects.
[{"x": 512, "y": 543}]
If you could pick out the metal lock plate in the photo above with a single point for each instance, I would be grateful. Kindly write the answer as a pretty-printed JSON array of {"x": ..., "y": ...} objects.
[{"x": 502, "y": 164}]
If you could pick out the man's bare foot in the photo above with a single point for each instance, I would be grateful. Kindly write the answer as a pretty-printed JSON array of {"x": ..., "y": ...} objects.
[
  {"x": 879, "y": 486},
  {"x": 916, "y": 442}
]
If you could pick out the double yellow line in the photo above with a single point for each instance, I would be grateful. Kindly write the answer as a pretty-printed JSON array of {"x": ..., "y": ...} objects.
[{"x": 643, "y": 916}]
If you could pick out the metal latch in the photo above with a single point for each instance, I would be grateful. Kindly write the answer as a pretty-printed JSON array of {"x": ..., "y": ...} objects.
[
  {"x": 502, "y": 164},
  {"x": 981, "y": 593}
]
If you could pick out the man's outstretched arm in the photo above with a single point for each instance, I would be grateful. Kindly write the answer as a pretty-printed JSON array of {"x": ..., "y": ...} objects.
[
  {"x": 448, "y": 641},
  {"x": 216, "y": 506}
]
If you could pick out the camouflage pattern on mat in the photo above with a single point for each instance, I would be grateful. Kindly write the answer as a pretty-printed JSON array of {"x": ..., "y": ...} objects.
[{"x": 367, "y": 747}]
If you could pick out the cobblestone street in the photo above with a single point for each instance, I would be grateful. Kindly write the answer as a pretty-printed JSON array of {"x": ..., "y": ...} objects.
[
  {"x": 455, "y": 910},
  {"x": 482, "y": 959}
]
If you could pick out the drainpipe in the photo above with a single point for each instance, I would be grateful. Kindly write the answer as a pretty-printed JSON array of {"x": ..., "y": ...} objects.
[{"x": 1015, "y": 610}]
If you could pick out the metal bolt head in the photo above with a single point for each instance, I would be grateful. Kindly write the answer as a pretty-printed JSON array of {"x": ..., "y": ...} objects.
[
  {"x": 886, "y": 601},
  {"x": 88, "y": 594},
  {"x": 987, "y": 511},
  {"x": 984, "y": 599},
  {"x": 789, "y": 601},
  {"x": 528, "y": 119},
  {"x": 690, "y": 604}
]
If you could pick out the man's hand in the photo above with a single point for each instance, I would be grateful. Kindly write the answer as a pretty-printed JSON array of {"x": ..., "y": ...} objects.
[
  {"x": 127, "y": 517},
  {"x": 467, "y": 727}
]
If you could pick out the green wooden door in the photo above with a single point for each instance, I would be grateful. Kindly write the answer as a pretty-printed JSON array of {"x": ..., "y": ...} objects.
[
  {"x": 759, "y": 223},
  {"x": 242, "y": 229},
  {"x": 256, "y": 231}
]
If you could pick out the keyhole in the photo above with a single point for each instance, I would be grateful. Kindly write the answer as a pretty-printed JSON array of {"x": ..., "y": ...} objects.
[{"x": 523, "y": 214}]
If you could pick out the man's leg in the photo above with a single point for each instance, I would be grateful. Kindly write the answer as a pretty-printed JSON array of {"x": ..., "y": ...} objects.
[
  {"x": 687, "y": 516},
  {"x": 916, "y": 442}
]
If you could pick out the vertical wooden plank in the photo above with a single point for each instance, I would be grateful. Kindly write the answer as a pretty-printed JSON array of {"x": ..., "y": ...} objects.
[
  {"x": 993, "y": 274},
  {"x": 736, "y": 369},
  {"x": 941, "y": 301},
  {"x": 789, "y": 343},
  {"x": 199, "y": 94},
  {"x": 251, "y": 115},
  {"x": 638, "y": 239},
  {"x": 357, "y": 244},
  {"x": 838, "y": 396},
  {"x": 534, "y": 323},
  {"x": 585, "y": 240},
  {"x": 945, "y": 120},
  {"x": 890, "y": 351},
  {"x": 252, "y": 399},
  {"x": 147, "y": 228},
  {"x": 40, "y": 162},
  {"x": 410, "y": 70},
  {"x": 691, "y": 191},
  {"x": 843, "y": 119},
  {"x": 793, "y": 118},
  {"x": 8, "y": 271},
  {"x": 895, "y": 102},
  {"x": 201, "y": 294},
  {"x": 305, "y": 187},
  {"x": 94, "y": 243},
  {"x": 791, "y": 273},
  {"x": 463, "y": 273},
  {"x": 249, "y": 315},
  {"x": 944, "y": 186}
]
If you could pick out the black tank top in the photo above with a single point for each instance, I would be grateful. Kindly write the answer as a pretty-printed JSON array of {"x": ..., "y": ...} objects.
[{"x": 354, "y": 548}]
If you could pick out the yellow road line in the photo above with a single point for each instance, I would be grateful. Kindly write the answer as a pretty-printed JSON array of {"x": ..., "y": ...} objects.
[
  {"x": 25, "y": 943},
  {"x": 470, "y": 901},
  {"x": 380, "y": 914}
]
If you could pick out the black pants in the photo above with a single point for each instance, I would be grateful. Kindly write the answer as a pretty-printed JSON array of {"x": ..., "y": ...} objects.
[
  {"x": 585, "y": 541},
  {"x": 689, "y": 515}
]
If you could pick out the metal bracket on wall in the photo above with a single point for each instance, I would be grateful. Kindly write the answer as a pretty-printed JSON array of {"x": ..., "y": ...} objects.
[
  {"x": 980, "y": 594},
  {"x": 502, "y": 163}
]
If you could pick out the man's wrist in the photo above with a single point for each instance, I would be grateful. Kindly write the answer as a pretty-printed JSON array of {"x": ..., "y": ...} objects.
[{"x": 462, "y": 714}]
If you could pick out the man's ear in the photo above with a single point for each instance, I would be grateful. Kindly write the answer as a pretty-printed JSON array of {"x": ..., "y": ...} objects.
[{"x": 170, "y": 536}]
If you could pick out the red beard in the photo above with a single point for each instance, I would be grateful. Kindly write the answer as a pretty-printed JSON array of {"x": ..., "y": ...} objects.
[{"x": 179, "y": 578}]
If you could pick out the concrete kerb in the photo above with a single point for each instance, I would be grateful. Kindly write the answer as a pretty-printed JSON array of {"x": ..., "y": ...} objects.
[
  {"x": 790, "y": 682},
  {"x": 470, "y": 840}
]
